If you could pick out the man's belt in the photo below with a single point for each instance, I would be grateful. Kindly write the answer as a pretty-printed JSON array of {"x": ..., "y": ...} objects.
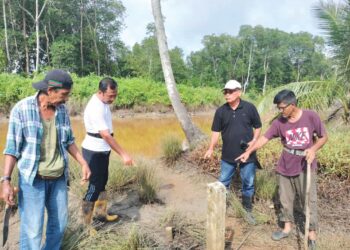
[
  {"x": 298, "y": 152},
  {"x": 96, "y": 135},
  {"x": 47, "y": 177}
]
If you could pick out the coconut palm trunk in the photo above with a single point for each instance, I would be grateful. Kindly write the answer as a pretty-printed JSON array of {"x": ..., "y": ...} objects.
[{"x": 193, "y": 134}]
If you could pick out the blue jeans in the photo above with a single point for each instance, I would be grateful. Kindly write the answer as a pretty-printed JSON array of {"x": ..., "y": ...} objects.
[
  {"x": 247, "y": 171},
  {"x": 32, "y": 201}
]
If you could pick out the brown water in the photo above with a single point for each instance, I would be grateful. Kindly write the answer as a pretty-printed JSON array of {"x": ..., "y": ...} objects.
[{"x": 139, "y": 136}]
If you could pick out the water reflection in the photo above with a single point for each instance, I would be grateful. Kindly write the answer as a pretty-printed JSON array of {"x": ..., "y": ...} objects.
[{"x": 139, "y": 136}]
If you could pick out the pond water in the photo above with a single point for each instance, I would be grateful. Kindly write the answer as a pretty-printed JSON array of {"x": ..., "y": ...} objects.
[{"x": 139, "y": 136}]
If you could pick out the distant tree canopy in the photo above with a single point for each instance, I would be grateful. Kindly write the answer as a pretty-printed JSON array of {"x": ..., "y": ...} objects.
[
  {"x": 274, "y": 56},
  {"x": 80, "y": 36},
  {"x": 83, "y": 37}
]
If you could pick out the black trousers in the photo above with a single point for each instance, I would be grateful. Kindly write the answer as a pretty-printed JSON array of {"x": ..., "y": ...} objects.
[{"x": 98, "y": 163}]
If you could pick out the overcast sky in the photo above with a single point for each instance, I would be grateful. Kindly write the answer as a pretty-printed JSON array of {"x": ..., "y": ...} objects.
[{"x": 187, "y": 21}]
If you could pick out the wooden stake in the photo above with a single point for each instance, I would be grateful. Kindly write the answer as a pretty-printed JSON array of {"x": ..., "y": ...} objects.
[{"x": 307, "y": 205}]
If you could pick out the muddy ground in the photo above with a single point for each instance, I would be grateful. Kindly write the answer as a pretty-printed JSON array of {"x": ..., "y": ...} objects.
[{"x": 183, "y": 190}]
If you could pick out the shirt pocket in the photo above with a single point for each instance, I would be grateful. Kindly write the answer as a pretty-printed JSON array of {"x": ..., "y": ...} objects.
[
  {"x": 31, "y": 130},
  {"x": 64, "y": 135}
]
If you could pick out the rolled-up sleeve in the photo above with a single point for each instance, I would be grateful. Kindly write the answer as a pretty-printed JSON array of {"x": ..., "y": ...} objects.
[
  {"x": 70, "y": 137},
  {"x": 14, "y": 140}
]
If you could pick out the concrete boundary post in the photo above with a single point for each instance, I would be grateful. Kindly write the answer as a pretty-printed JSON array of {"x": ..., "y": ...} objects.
[{"x": 216, "y": 216}]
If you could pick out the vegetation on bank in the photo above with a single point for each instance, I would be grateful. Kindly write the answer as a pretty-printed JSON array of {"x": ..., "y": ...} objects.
[{"x": 133, "y": 92}]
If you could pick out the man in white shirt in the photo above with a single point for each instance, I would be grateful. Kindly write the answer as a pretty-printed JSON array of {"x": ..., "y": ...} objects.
[{"x": 97, "y": 147}]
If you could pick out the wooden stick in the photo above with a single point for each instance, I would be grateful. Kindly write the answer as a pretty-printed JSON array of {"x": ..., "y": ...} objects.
[{"x": 307, "y": 205}]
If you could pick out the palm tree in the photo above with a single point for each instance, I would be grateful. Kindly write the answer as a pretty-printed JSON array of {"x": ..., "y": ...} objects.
[
  {"x": 193, "y": 134},
  {"x": 335, "y": 21},
  {"x": 319, "y": 95}
]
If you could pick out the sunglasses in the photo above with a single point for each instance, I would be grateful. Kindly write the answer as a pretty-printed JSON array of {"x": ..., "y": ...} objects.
[{"x": 229, "y": 91}]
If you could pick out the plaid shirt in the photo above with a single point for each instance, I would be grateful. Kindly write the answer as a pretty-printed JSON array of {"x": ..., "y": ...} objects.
[{"x": 25, "y": 133}]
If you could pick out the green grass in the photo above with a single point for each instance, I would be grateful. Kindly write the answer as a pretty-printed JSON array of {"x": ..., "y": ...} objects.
[
  {"x": 236, "y": 209},
  {"x": 334, "y": 156},
  {"x": 132, "y": 92},
  {"x": 171, "y": 149},
  {"x": 147, "y": 183},
  {"x": 265, "y": 184},
  {"x": 120, "y": 176}
]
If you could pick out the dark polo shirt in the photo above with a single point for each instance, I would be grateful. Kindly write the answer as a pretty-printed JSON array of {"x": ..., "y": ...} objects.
[{"x": 236, "y": 126}]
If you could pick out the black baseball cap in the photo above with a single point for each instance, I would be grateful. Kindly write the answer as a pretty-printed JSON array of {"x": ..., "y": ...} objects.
[{"x": 56, "y": 78}]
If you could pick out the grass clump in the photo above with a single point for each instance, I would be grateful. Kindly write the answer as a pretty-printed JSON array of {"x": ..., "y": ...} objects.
[
  {"x": 171, "y": 149},
  {"x": 185, "y": 230},
  {"x": 236, "y": 209},
  {"x": 120, "y": 176},
  {"x": 147, "y": 183},
  {"x": 116, "y": 238},
  {"x": 265, "y": 184}
]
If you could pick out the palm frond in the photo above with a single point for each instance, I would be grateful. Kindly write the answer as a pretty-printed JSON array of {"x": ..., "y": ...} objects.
[
  {"x": 316, "y": 95},
  {"x": 335, "y": 22}
]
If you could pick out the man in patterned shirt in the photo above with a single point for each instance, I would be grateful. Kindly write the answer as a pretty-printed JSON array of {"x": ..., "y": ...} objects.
[
  {"x": 296, "y": 128},
  {"x": 38, "y": 139}
]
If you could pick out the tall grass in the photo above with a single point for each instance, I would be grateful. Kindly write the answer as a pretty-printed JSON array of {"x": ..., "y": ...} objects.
[
  {"x": 147, "y": 183},
  {"x": 120, "y": 176},
  {"x": 265, "y": 184},
  {"x": 171, "y": 149},
  {"x": 334, "y": 157},
  {"x": 235, "y": 208}
]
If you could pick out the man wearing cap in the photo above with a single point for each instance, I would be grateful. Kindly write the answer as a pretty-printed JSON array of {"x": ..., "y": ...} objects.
[
  {"x": 239, "y": 123},
  {"x": 38, "y": 139},
  {"x": 97, "y": 146}
]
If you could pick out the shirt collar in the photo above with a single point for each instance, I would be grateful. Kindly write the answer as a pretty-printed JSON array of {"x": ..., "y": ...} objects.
[{"x": 240, "y": 105}]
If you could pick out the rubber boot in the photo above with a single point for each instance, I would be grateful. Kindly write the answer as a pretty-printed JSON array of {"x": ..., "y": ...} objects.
[
  {"x": 248, "y": 206},
  {"x": 88, "y": 209},
  {"x": 100, "y": 209}
]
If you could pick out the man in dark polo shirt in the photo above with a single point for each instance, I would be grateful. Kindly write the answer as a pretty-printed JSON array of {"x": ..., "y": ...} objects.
[{"x": 239, "y": 123}]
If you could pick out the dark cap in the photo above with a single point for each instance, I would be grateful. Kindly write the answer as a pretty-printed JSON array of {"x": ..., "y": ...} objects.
[{"x": 56, "y": 78}]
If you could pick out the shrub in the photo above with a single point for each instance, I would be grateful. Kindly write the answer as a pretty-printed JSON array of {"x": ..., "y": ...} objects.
[{"x": 132, "y": 92}]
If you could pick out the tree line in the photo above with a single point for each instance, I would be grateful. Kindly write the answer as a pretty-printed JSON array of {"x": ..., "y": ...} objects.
[{"x": 83, "y": 37}]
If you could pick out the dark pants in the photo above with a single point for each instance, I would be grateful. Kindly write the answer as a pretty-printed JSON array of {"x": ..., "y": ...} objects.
[{"x": 98, "y": 163}]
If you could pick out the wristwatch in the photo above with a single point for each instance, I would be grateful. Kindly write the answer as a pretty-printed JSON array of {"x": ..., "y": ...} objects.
[{"x": 5, "y": 178}]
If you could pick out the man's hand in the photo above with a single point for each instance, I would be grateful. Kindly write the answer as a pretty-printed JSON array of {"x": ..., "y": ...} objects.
[
  {"x": 127, "y": 160},
  {"x": 208, "y": 154},
  {"x": 310, "y": 155},
  {"x": 8, "y": 193},
  {"x": 243, "y": 157},
  {"x": 86, "y": 173}
]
